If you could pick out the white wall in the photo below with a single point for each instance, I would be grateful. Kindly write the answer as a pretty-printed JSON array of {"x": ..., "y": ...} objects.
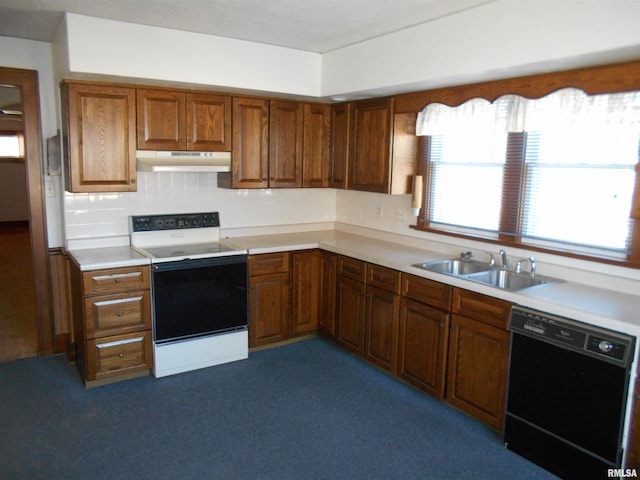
[
  {"x": 107, "y": 47},
  {"x": 31, "y": 55},
  {"x": 496, "y": 40}
]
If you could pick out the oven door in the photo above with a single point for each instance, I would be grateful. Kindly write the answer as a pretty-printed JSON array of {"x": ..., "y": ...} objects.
[{"x": 192, "y": 298}]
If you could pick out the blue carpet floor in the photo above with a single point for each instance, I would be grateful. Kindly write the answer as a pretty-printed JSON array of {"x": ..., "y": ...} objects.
[{"x": 303, "y": 411}]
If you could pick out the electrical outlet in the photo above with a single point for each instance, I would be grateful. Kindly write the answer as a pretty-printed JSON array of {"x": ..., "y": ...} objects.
[
  {"x": 379, "y": 211},
  {"x": 399, "y": 214},
  {"x": 49, "y": 190}
]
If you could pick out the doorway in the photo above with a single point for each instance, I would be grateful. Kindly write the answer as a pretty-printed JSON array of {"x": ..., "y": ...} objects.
[{"x": 25, "y": 303}]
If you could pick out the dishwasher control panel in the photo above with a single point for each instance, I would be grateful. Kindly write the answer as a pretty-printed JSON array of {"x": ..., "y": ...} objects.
[{"x": 614, "y": 347}]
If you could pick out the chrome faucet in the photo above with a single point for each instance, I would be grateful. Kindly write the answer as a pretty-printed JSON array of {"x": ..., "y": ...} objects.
[
  {"x": 532, "y": 265},
  {"x": 505, "y": 261}
]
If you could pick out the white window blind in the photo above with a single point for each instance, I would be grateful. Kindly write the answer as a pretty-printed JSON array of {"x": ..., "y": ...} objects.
[{"x": 553, "y": 171}]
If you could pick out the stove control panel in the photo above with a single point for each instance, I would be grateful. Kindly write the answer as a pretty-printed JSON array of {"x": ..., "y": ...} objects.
[{"x": 150, "y": 223}]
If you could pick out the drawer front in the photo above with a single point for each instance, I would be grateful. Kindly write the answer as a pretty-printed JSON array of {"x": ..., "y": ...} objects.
[
  {"x": 426, "y": 291},
  {"x": 489, "y": 310},
  {"x": 115, "y": 314},
  {"x": 382, "y": 277},
  {"x": 352, "y": 268},
  {"x": 119, "y": 354},
  {"x": 268, "y": 263},
  {"x": 115, "y": 280}
]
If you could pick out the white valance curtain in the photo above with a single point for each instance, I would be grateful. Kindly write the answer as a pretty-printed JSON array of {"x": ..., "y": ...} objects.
[{"x": 514, "y": 113}]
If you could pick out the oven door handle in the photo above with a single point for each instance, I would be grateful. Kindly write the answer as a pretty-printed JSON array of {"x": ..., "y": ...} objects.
[{"x": 198, "y": 262}]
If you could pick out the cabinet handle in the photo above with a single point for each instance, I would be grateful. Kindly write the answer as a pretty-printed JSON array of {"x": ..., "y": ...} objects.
[
  {"x": 120, "y": 314},
  {"x": 117, "y": 280},
  {"x": 121, "y": 355}
]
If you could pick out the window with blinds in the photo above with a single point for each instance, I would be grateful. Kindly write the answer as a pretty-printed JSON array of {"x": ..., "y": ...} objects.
[{"x": 557, "y": 172}]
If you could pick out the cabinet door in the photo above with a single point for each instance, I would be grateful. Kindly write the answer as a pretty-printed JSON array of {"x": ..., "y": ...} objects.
[
  {"x": 316, "y": 148},
  {"x": 250, "y": 157},
  {"x": 208, "y": 122},
  {"x": 161, "y": 120},
  {"x": 381, "y": 330},
  {"x": 422, "y": 346},
  {"x": 477, "y": 371},
  {"x": 285, "y": 144},
  {"x": 350, "y": 314},
  {"x": 269, "y": 309},
  {"x": 306, "y": 298},
  {"x": 327, "y": 321},
  {"x": 99, "y": 125},
  {"x": 340, "y": 126},
  {"x": 370, "y": 166}
]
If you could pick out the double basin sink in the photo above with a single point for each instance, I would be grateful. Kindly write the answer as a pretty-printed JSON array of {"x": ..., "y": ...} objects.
[{"x": 487, "y": 274}]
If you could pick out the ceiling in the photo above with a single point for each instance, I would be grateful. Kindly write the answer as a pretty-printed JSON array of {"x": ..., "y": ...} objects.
[{"x": 310, "y": 25}]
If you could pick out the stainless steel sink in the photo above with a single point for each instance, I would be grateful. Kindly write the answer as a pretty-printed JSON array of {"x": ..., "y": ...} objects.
[
  {"x": 509, "y": 280},
  {"x": 455, "y": 266}
]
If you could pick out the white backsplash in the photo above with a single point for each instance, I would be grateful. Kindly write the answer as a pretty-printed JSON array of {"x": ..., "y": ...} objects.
[{"x": 102, "y": 217}]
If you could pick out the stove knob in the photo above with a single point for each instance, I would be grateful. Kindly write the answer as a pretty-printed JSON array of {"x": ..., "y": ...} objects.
[{"x": 605, "y": 346}]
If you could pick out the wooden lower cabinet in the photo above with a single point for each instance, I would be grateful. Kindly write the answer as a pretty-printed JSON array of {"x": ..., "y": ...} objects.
[
  {"x": 269, "y": 312},
  {"x": 328, "y": 272},
  {"x": 112, "y": 323},
  {"x": 478, "y": 356},
  {"x": 381, "y": 328},
  {"x": 424, "y": 334},
  {"x": 350, "y": 314},
  {"x": 422, "y": 346},
  {"x": 306, "y": 292}
]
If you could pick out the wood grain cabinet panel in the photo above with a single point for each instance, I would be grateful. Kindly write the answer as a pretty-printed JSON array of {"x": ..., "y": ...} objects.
[
  {"x": 269, "y": 298},
  {"x": 99, "y": 129},
  {"x": 175, "y": 120},
  {"x": 350, "y": 314},
  {"x": 340, "y": 143},
  {"x": 370, "y": 149},
  {"x": 306, "y": 291},
  {"x": 381, "y": 328},
  {"x": 250, "y": 152},
  {"x": 118, "y": 355},
  {"x": 111, "y": 322},
  {"x": 328, "y": 277},
  {"x": 422, "y": 346},
  {"x": 286, "y": 127},
  {"x": 316, "y": 145},
  {"x": 477, "y": 370}
]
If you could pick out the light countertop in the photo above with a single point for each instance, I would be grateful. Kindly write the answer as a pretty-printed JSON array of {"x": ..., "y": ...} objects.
[
  {"x": 598, "y": 306},
  {"x": 107, "y": 257}
]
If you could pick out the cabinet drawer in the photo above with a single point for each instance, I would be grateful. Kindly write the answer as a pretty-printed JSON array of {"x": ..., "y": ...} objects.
[
  {"x": 118, "y": 355},
  {"x": 352, "y": 268},
  {"x": 268, "y": 263},
  {"x": 426, "y": 291},
  {"x": 115, "y": 314},
  {"x": 115, "y": 280},
  {"x": 489, "y": 310},
  {"x": 383, "y": 277}
]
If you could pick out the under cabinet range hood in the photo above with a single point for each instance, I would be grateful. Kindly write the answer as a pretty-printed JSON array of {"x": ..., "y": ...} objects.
[{"x": 172, "y": 161}]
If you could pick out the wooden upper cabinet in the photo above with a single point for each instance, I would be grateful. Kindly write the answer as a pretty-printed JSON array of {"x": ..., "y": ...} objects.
[
  {"x": 286, "y": 127},
  {"x": 99, "y": 126},
  {"x": 370, "y": 149},
  {"x": 317, "y": 145},
  {"x": 338, "y": 161},
  {"x": 250, "y": 152},
  {"x": 175, "y": 120}
]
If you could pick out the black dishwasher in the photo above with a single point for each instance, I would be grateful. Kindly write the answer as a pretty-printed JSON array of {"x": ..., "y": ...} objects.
[{"x": 567, "y": 393}]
